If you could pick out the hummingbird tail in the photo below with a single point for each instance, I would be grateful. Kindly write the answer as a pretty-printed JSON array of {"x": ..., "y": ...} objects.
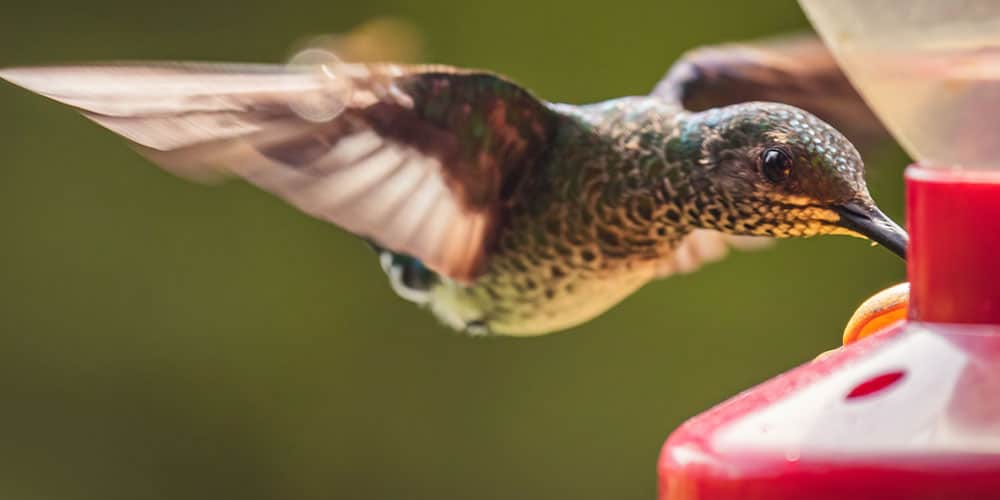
[
  {"x": 415, "y": 282},
  {"x": 409, "y": 278}
]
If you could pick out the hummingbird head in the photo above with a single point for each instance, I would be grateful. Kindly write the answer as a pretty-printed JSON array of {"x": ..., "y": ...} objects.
[{"x": 786, "y": 173}]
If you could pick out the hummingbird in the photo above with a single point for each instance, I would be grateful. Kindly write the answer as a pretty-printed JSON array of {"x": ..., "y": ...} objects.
[{"x": 500, "y": 212}]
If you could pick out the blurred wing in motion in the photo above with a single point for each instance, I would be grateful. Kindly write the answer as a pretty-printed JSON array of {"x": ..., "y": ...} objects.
[
  {"x": 417, "y": 159},
  {"x": 704, "y": 246},
  {"x": 376, "y": 40},
  {"x": 797, "y": 70}
]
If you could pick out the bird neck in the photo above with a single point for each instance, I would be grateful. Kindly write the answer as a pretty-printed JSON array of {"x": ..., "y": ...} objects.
[
  {"x": 687, "y": 181},
  {"x": 635, "y": 165},
  {"x": 660, "y": 151}
]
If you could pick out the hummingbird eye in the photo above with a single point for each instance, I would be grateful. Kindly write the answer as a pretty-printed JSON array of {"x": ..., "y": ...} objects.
[{"x": 775, "y": 164}]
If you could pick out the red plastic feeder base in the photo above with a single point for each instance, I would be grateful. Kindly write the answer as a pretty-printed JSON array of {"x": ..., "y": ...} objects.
[{"x": 910, "y": 413}]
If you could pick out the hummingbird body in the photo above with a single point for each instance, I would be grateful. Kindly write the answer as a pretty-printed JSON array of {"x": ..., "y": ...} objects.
[
  {"x": 623, "y": 184},
  {"x": 583, "y": 234},
  {"x": 501, "y": 212}
]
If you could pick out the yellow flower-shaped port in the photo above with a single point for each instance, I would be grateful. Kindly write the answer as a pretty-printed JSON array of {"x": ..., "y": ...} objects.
[{"x": 880, "y": 310}]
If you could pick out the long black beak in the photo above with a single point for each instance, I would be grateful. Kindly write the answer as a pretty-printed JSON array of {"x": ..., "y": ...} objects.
[{"x": 871, "y": 223}]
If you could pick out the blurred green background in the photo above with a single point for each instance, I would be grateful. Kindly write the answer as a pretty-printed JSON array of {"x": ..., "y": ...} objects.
[{"x": 165, "y": 340}]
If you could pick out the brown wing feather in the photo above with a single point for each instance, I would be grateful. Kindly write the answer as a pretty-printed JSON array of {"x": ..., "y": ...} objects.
[
  {"x": 797, "y": 70},
  {"x": 418, "y": 159}
]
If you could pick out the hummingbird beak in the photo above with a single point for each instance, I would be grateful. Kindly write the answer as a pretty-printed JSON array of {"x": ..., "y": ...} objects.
[{"x": 870, "y": 222}]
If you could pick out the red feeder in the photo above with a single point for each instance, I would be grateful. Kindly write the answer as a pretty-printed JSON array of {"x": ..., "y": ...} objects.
[{"x": 912, "y": 412}]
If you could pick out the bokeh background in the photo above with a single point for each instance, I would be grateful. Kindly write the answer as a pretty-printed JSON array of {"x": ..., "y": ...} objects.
[{"x": 165, "y": 340}]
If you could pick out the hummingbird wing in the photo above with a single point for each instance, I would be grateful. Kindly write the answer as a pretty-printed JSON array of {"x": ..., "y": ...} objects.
[
  {"x": 704, "y": 246},
  {"x": 418, "y": 159},
  {"x": 797, "y": 70}
]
